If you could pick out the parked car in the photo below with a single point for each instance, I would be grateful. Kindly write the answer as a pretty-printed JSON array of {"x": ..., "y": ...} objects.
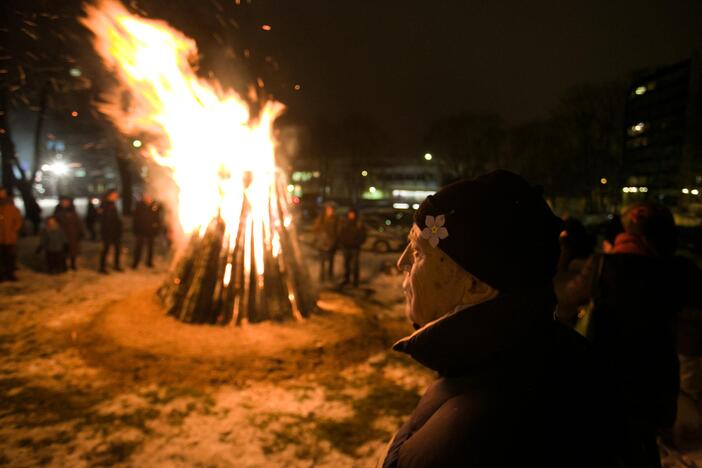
[{"x": 387, "y": 229}]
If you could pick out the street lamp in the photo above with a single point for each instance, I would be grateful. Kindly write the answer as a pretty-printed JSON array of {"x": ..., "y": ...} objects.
[
  {"x": 364, "y": 173},
  {"x": 137, "y": 143},
  {"x": 428, "y": 156}
]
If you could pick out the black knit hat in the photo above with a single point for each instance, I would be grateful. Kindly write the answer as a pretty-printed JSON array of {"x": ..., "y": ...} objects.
[{"x": 497, "y": 227}]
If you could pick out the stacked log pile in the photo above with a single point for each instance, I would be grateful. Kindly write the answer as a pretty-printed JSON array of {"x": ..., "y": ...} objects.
[{"x": 215, "y": 280}]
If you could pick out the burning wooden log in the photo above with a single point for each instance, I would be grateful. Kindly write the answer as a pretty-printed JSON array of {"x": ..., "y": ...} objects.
[{"x": 218, "y": 279}]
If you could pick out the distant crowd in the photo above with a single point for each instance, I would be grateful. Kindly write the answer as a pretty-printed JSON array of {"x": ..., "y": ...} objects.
[
  {"x": 64, "y": 231},
  {"x": 346, "y": 234}
]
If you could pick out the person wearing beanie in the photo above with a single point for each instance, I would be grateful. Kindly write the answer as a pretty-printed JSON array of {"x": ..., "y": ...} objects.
[
  {"x": 515, "y": 387},
  {"x": 644, "y": 322}
]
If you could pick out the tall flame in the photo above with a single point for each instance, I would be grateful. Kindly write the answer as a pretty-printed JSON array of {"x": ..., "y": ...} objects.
[{"x": 220, "y": 156}]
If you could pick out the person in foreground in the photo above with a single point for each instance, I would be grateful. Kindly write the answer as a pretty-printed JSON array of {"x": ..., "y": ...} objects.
[{"x": 515, "y": 387}]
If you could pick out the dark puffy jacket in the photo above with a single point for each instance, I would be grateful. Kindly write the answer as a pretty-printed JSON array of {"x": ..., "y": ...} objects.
[
  {"x": 147, "y": 219},
  {"x": 110, "y": 221},
  {"x": 352, "y": 234},
  {"x": 637, "y": 327},
  {"x": 515, "y": 388},
  {"x": 72, "y": 227}
]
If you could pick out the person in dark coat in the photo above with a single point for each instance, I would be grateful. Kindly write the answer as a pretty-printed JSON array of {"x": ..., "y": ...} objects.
[
  {"x": 10, "y": 225},
  {"x": 110, "y": 230},
  {"x": 54, "y": 243},
  {"x": 91, "y": 218},
  {"x": 352, "y": 235},
  {"x": 636, "y": 294},
  {"x": 147, "y": 224},
  {"x": 515, "y": 387},
  {"x": 326, "y": 230},
  {"x": 72, "y": 227}
]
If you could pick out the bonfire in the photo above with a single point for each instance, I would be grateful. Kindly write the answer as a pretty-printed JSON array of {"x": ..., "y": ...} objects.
[{"x": 239, "y": 260}]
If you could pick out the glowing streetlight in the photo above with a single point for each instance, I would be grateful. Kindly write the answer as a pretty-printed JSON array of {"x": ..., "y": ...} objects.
[
  {"x": 59, "y": 168},
  {"x": 603, "y": 181},
  {"x": 137, "y": 143},
  {"x": 74, "y": 114},
  {"x": 686, "y": 191},
  {"x": 640, "y": 90},
  {"x": 372, "y": 189},
  {"x": 364, "y": 173},
  {"x": 428, "y": 156}
]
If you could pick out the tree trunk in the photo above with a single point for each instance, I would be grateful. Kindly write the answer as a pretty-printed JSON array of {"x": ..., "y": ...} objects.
[
  {"x": 7, "y": 146},
  {"x": 10, "y": 164},
  {"x": 124, "y": 167},
  {"x": 38, "y": 129}
]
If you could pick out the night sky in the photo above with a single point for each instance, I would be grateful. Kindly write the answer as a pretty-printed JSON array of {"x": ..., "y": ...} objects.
[{"x": 406, "y": 63}]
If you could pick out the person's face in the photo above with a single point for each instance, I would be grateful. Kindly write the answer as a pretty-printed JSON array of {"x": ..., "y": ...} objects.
[
  {"x": 328, "y": 211},
  {"x": 51, "y": 224},
  {"x": 434, "y": 284},
  {"x": 351, "y": 215}
]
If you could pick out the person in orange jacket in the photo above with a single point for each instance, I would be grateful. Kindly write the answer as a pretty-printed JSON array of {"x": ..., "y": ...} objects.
[{"x": 10, "y": 224}]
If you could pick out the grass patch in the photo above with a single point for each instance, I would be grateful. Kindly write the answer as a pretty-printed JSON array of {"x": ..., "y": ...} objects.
[
  {"x": 347, "y": 435},
  {"x": 111, "y": 454}
]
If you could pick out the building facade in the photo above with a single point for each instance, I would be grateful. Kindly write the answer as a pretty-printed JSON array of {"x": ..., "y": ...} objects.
[{"x": 663, "y": 135}]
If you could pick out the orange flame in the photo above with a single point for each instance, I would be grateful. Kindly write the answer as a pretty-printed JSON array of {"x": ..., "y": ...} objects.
[{"x": 219, "y": 157}]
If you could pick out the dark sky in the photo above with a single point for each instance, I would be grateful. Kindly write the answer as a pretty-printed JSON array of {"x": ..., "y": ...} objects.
[{"x": 407, "y": 63}]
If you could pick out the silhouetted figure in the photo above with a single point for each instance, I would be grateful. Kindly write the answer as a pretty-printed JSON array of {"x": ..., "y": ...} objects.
[
  {"x": 72, "y": 227},
  {"x": 352, "y": 235},
  {"x": 515, "y": 388},
  {"x": 630, "y": 300},
  {"x": 110, "y": 230},
  {"x": 10, "y": 225},
  {"x": 147, "y": 225},
  {"x": 577, "y": 246},
  {"x": 91, "y": 218},
  {"x": 326, "y": 229},
  {"x": 54, "y": 244}
]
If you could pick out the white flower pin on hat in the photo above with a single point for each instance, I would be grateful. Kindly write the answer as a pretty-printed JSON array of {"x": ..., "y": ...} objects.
[{"x": 434, "y": 230}]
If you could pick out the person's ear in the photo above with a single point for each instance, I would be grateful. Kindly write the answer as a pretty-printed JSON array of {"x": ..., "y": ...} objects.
[{"x": 477, "y": 291}]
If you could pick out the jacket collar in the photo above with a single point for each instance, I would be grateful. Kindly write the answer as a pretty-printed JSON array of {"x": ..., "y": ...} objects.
[
  {"x": 626, "y": 243},
  {"x": 473, "y": 336}
]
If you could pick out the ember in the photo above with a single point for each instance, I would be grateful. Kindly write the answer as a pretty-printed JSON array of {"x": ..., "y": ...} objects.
[{"x": 242, "y": 262}]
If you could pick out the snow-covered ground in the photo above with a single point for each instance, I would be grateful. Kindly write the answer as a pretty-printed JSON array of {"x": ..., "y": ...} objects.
[{"x": 93, "y": 373}]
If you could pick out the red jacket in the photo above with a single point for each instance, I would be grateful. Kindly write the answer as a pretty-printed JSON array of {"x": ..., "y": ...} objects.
[{"x": 10, "y": 223}]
